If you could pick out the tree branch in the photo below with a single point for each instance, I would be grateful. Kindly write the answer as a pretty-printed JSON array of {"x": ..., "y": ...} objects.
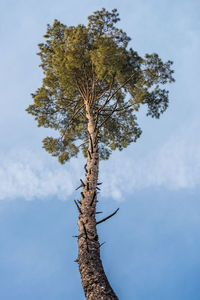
[
  {"x": 111, "y": 96},
  {"x": 94, "y": 195},
  {"x": 71, "y": 119},
  {"x": 78, "y": 207},
  {"x": 103, "y": 220},
  {"x": 83, "y": 143},
  {"x": 112, "y": 112}
]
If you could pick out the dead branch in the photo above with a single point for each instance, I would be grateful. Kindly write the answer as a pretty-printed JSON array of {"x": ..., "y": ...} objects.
[
  {"x": 121, "y": 86},
  {"x": 103, "y": 220},
  {"x": 83, "y": 143},
  {"x": 85, "y": 167},
  {"x": 92, "y": 150},
  {"x": 71, "y": 119},
  {"x": 83, "y": 184},
  {"x": 102, "y": 244},
  {"x": 78, "y": 207},
  {"x": 118, "y": 109},
  {"x": 82, "y": 194},
  {"x": 89, "y": 154},
  {"x": 79, "y": 187},
  {"x": 93, "y": 197},
  {"x": 109, "y": 115}
]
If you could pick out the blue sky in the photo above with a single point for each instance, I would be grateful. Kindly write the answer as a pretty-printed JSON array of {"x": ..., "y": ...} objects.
[{"x": 153, "y": 244}]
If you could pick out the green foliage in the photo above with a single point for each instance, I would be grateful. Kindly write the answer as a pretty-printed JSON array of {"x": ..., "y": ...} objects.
[{"x": 92, "y": 64}]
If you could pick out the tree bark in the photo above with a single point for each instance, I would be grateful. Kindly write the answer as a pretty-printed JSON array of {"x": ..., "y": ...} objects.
[{"x": 93, "y": 277}]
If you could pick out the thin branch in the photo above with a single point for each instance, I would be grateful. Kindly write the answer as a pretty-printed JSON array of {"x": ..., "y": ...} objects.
[
  {"x": 94, "y": 195},
  {"x": 89, "y": 154},
  {"x": 106, "y": 101},
  {"x": 121, "y": 86},
  {"x": 79, "y": 187},
  {"x": 83, "y": 184},
  {"x": 85, "y": 167},
  {"x": 118, "y": 109},
  {"x": 112, "y": 112},
  {"x": 78, "y": 207},
  {"x": 92, "y": 150},
  {"x": 103, "y": 220},
  {"x": 83, "y": 143},
  {"x": 71, "y": 119}
]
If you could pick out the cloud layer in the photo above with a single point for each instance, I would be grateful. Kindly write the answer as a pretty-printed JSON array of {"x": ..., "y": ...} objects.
[{"x": 175, "y": 165}]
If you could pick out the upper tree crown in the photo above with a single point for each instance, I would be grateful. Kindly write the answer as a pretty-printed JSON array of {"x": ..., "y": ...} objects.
[{"x": 92, "y": 64}]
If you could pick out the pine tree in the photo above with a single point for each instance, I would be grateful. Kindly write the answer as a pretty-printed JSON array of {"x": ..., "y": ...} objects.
[{"x": 93, "y": 87}]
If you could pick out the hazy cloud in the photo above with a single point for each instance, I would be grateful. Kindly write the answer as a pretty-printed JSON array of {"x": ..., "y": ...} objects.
[{"x": 175, "y": 165}]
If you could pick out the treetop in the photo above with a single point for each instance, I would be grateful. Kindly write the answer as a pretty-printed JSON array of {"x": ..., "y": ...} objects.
[{"x": 92, "y": 65}]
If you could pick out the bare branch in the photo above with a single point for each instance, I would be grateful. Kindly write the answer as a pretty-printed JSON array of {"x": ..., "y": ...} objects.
[
  {"x": 108, "y": 98},
  {"x": 85, "y": 167},
  {"x": 109, "y": 115},
  {"x": 118, "y": 109},
  {"x": 79, "y": 187},
  {"x": 103, "y": 220},
  {"x": 83, "y": 143},
  {"x": 92, "y": 150},
  {"x": 83, "y": 184},
  {"x": 94, "y": 195},
  {"x": 106, "y": 101},
  {"x": 78, "y": 207},
  {"x": 71, "y": 119},
  {"x": 89, "y": 154},
  {"x": 121, "y": 86}
]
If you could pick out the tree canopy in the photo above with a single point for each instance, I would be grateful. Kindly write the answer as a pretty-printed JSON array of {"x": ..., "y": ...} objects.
[{"x": 94, "y": 64}]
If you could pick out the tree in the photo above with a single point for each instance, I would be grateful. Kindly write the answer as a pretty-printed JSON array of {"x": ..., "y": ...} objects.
[{"x": 92, "y": 88}]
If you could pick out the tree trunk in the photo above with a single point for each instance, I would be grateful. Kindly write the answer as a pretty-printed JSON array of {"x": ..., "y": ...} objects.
[{"x": 94, "y": 280}]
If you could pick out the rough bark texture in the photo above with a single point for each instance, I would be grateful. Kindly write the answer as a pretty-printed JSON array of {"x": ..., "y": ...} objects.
[{"x": 94, "y": 280}]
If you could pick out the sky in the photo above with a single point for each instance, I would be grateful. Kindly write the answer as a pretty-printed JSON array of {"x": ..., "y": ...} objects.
[{"x": 153, "y": 243}]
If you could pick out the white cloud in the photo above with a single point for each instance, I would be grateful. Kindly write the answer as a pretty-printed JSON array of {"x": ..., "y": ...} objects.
[
  {"x": 27, "y": 175},
  {"x": 175, "y": 165}
]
